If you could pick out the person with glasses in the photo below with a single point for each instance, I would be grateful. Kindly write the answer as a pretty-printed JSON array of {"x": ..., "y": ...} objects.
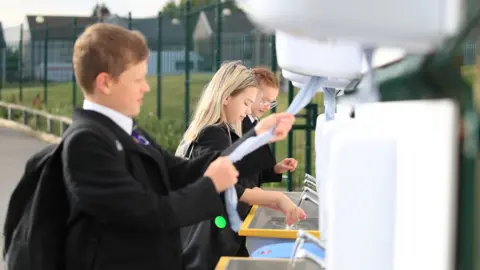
[
  {"x": 266, "y": 100},
  {"x": 216, "y": 124}
]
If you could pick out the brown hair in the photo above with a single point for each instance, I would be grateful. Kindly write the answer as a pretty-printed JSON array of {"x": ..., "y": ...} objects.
[
  {"x": 265, "y": 76},
  {"x": 106, "y": 48}
]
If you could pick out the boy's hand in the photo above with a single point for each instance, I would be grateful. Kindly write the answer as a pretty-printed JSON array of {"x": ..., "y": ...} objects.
[
  {"x": 288, "y": 164},
  {"x": 223, "y": 174}
]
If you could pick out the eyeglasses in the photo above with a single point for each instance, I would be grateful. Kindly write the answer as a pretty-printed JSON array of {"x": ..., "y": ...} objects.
[{"x": 272, "y": 104}]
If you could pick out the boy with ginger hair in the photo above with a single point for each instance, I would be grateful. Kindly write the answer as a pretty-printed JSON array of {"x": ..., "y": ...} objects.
[{"x": 128, "y": 196}]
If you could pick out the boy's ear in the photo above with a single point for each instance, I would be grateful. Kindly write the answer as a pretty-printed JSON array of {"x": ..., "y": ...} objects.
[{"x": 103, "y": 83}]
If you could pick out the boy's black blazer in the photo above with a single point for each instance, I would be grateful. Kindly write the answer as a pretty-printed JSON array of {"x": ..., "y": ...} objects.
[{"x": 127, "y": 207}]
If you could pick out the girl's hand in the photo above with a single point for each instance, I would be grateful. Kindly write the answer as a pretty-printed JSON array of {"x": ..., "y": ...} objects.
[
  {"x": 281, "y": 122},
  {"x": 288, "y": 164},
  {"x": 292, "y": 212}
]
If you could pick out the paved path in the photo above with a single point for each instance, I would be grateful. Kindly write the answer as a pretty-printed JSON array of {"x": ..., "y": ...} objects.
[{"x": 15, "y": 149}]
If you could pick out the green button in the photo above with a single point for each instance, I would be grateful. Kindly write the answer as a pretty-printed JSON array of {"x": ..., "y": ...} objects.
[{"x": 220, "y": 222}]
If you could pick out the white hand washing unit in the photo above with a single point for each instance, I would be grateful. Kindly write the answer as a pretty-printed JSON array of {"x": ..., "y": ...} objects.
[{"x": 375, "y": 172}]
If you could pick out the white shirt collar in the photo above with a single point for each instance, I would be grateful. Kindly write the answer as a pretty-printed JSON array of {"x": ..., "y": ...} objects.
[
  {"x": 124, "y": 122},
  {"x": 253, "y": 119}
]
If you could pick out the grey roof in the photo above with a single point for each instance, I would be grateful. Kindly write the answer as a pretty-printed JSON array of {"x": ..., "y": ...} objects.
[
  {"x": 61, "y": 27},
  {"x": 172, "y": 34},
  {"x": 236, "y": 22}
]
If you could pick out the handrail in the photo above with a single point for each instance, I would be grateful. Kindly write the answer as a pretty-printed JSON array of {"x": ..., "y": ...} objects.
[{"x": 28, "y": 112}]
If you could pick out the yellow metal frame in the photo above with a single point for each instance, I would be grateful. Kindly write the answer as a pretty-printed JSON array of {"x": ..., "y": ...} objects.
[
  {"x": 223, "y": 262},
  {"x": 268, "y": 233}
]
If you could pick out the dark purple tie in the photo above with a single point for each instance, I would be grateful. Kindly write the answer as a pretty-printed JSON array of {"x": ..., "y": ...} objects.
[{"x": 138, "y": 137}]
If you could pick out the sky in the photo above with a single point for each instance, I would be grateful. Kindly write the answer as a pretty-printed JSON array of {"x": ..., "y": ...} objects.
[{"x": 13, "y": 12}]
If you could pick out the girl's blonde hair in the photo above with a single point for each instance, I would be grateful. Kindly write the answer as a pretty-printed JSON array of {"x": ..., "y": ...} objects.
[{"x": 230, "y": 80}]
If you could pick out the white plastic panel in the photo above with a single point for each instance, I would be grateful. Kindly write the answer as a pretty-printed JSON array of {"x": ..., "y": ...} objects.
[
  {"x": 298, "y": 85},
  {"x": 295, "y": 77},
  {"x": 417, "y": 26},
  {"x": 426, "y": 133},
  {"x": 324, "y": 133},
  {"x": 383, "y": 56},
  {"x": 312, "y": 58},
  {"x": 361, "y": 187},
  {"x": 299, "y": 80},
  {"x": 300, "y": 58}
]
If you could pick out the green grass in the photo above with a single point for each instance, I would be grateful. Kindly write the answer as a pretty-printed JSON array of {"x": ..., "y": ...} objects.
[
  {"x": 169, "y": 129},
  {"x": 469, "y": 73}
]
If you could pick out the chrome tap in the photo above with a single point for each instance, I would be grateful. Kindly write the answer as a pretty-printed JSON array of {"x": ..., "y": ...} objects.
[
  {"x": 301, "y": 237},
  {"x": 310, "y": 237},
  {"x": 310, "y": 182},
  {"x": 311, "y": 178},
  {"x": 307, "y": 190},
  {"x": 304, "y": 254},
  {"x": 305, "y": 195}
]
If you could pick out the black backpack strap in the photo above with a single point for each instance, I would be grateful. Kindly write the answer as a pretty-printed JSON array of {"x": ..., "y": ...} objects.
[{"x": 79, "y": 126}]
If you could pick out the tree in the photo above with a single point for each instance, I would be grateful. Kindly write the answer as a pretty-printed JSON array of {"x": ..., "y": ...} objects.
[
  {"x": 170, "y": 8},
  {"x": 100, "y": 11},
  {"x": 197, "y": 3}
]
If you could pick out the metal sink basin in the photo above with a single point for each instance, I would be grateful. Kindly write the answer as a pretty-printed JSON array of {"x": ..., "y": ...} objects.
[
  {"x": 310, "y": 208},
  {"x": 265, "y": 226},
  {"x": 294, "y": 195},
  {"x": 270, "y": 222},
  {"x": 266, "y": 218},
  {"x": 269, "y": 264}
]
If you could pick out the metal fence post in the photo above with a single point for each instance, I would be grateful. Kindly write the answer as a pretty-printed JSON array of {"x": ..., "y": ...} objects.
[
  {"x": 20, "y": 66},
  {"x": 274, "y": 70},
  {"x": 471, "y": 10},
  {"x": 187, "y": 62},
  {"x": 3, "y": 68},
  {"x": 33, "y": 52},
  {"x": 130, "y": 20},
  {"x": 476, "y": 233},
  {"x": 159, "y": 66},
  {"x": 45, "y": 66},
  {"x": 74, "y": 81},
  {"x": 290, "y": 138},
  {"x": 309, "y": 120},
  {"x": 218, "y": 35}
]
